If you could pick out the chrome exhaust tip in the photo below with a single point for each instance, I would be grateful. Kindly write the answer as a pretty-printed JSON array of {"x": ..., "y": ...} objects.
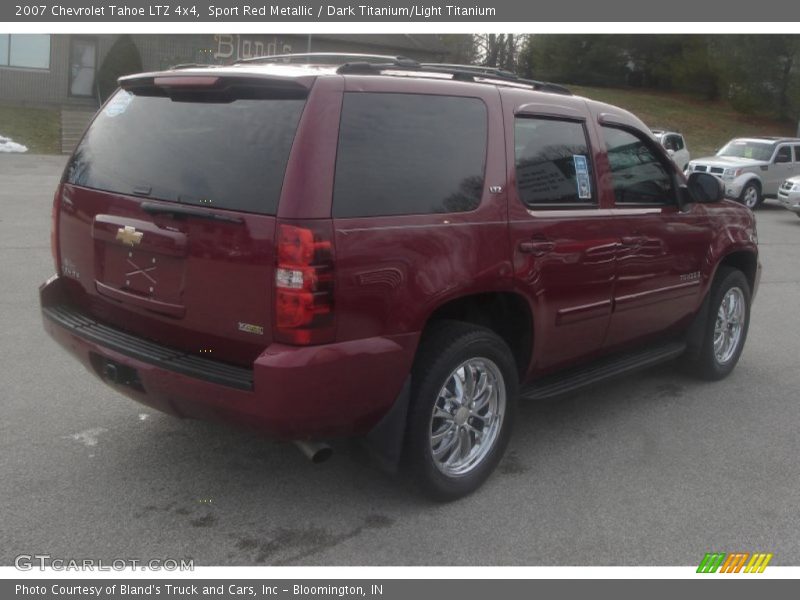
[{"x": 316, "y": 452}]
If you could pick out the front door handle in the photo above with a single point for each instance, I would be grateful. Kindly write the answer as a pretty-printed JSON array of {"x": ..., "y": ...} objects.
[{"x": 537, "y": 247}]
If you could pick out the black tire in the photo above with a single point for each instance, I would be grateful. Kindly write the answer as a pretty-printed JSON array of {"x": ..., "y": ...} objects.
[
  {"x": 751, "y": 195},
  {"x": 445, "y": 346},
  {"x": 704, "y": 363}
]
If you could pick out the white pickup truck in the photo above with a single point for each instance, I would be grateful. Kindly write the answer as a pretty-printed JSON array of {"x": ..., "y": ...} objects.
[{"x": 675, "y": 145}]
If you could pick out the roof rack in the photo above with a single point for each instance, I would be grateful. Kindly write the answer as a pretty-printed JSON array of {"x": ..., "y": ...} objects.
[
  {"x": 328, "y": 58},
  {"x": 375, "y": 64},
  {"x": 472, "y": 73}
]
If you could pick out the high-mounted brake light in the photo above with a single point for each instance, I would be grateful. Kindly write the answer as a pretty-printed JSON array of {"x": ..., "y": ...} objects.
[
  {"x": 304, "y": 283},
  {"x": 186, "y": 81}
]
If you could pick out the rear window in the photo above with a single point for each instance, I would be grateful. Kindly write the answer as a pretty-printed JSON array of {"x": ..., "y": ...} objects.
[
  {"x": 228, "y": 155},
  {"x": 409, "y": 154}
]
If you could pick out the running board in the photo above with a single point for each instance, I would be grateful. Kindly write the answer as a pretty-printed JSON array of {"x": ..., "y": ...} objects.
[{"x": 575, "y": 379}]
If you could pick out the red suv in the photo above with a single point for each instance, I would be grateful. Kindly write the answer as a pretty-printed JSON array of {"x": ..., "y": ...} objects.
[{"x": 385, "y": 249}]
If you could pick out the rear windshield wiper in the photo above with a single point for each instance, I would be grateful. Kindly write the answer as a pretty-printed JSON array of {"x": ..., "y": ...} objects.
[{"x": 155, "y": 208}]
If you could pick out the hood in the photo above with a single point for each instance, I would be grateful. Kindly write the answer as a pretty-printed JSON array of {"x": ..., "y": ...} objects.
[{"x": 728, "y": 161}]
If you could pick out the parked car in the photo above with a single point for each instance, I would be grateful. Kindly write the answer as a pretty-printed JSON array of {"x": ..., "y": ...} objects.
[
  {"x": 752, "y": 168},
  {"x": 789, "y": 194},
  {"x": 675, "y": 145},
  {"x": 393, "y": 251}
]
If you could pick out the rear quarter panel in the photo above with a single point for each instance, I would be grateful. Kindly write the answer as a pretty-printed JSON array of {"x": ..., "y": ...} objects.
[{"x": 392, "y": 272}]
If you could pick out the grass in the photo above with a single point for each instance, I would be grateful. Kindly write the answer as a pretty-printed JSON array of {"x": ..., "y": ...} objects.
[
  {"x": 706, "y": 125},
  {"x": 37, "y": 128}
]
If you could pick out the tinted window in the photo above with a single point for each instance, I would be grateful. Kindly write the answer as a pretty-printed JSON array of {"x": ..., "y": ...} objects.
[
  {"x": 409, "y": 154},
  {"x": 638, "y": 175},
  {"x": 552, "y": 162},
  {"x": 797, "y": 154},
  {"x": 228, "y": 155},
  {"x": 784, "y": 154}
]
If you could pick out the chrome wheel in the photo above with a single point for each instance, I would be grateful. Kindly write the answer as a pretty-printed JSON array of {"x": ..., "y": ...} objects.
[
  {"x": 729, "y": 325},
  {"x": 467, "y": 416},
  {"x": 750, "y": 196}
]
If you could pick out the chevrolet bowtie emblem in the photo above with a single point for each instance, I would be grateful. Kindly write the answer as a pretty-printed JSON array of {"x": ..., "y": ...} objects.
[{"x": 129, "y": 236}]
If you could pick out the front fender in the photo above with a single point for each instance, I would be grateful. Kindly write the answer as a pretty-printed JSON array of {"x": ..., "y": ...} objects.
[{"x": 733, "y": 189}]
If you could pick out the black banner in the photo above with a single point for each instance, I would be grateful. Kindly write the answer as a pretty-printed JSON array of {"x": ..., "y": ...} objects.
[
  {"x": 447, "y": 11},
  {"x": 395, "y": 589}
]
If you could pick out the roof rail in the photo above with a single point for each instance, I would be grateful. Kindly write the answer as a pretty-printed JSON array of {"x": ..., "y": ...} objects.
[
  {"x": 459, "y": 73},
  {"x": 327, "y": 58},
  {"x": 374, "y": 64}
]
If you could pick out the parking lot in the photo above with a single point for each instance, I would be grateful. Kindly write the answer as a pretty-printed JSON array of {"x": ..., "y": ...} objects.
[{"x": 653, "y": 469}]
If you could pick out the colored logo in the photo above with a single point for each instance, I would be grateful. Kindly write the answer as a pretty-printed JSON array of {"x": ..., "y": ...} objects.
[
  {"x": 129, "y": 236},
  {"x": 734, "y": 562}
]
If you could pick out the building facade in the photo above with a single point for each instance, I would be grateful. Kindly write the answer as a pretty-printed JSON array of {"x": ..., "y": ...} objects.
[{"x": 61, "y": 70}]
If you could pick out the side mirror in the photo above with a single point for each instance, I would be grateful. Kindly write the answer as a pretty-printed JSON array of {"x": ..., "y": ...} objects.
[{"x": 703, "y": 187}]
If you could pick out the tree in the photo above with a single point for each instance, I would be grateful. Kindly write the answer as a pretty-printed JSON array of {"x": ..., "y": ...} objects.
[
  {"x": 760, "y": 72},
  {"x": 461, "y": 48},
  {"x": 122, "y": 59},
  {"x": 499, "y": 50}
]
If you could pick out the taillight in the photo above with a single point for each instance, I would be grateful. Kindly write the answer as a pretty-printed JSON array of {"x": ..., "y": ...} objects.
[
  {"x": 304, "y": 283},
  {"x": 54, "y": 229}
]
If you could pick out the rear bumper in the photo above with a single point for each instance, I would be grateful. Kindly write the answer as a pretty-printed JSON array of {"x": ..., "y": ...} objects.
[{"x": 291, "y": 392}]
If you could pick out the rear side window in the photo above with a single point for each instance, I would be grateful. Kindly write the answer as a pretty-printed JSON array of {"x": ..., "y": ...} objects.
[
  {"x": 405, "y": 154},
  {"x": 784, "y": 154},
  {"x": 228, "y": 155},
  {"x": 638, "y": 175},
  {"x": 552, "y": 161}
]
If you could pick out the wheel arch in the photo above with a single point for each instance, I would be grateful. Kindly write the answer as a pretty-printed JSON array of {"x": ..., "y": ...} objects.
[
  {"x": 744, "y": 260},
  {"x": 749, "y": 178},
  {"x": 507, "y": 314}
]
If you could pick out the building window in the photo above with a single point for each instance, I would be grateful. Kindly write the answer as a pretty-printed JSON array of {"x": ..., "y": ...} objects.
[
  {"x": 30, "y": 51},
  {"x": 82, "y": 64}
]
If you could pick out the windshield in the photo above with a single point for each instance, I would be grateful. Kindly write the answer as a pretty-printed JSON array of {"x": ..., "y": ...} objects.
[{"x": 747, "y": 149}]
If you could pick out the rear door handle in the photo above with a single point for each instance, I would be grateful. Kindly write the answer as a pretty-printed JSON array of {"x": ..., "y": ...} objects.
[
  {"x": 537, "y": 248},
  {"x": 632, "y": 240}
]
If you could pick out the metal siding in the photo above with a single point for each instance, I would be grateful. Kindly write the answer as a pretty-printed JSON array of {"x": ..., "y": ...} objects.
[{"x": 49, "y": 86}]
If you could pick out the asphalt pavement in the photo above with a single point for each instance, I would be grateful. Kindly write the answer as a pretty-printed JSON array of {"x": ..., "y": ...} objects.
[{"x": 652, "y": 469}]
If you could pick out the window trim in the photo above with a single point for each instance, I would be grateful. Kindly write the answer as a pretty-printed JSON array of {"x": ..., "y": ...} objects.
[
  {"x": 593, "y": 204},
  {"x": 658, "y": 151}
]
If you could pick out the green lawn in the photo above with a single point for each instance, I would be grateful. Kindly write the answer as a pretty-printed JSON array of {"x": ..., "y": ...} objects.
[
  {"x": 706, "y": 125},
  {"x": 37, "y": 128}
]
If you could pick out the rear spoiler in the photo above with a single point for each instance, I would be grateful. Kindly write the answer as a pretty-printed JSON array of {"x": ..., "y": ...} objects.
[{"x": 214, "y": 87}]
